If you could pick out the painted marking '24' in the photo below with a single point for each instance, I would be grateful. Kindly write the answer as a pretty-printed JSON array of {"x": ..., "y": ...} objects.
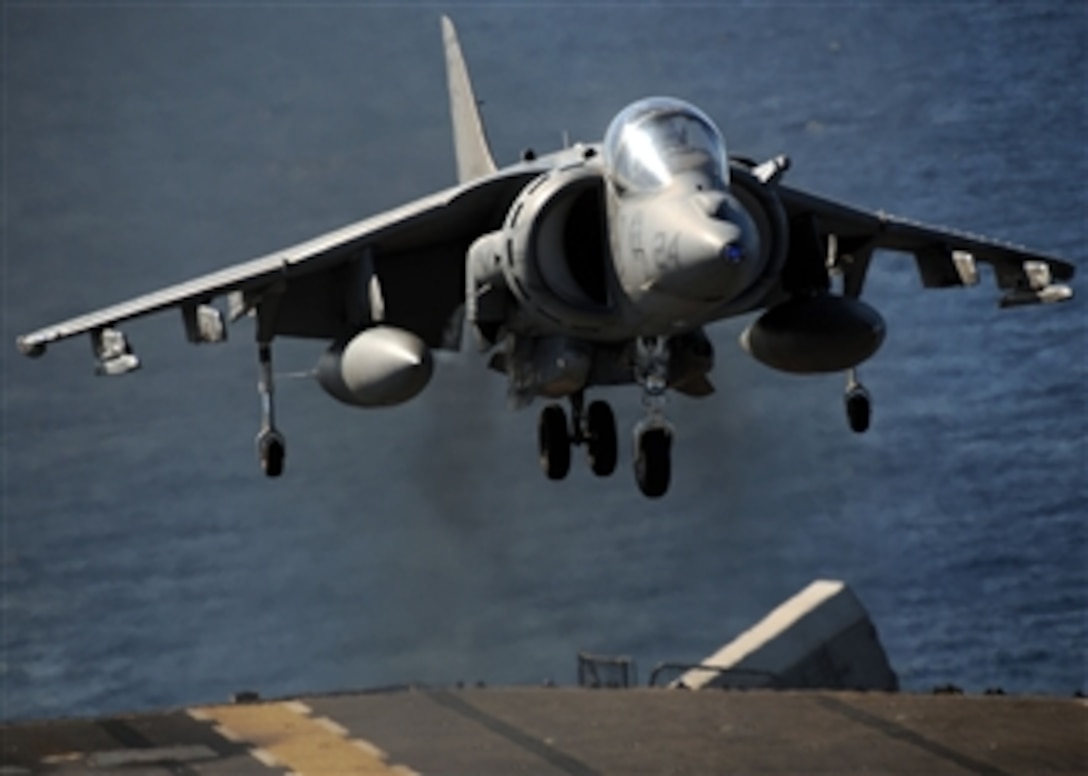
[{"x": 666, "y": 250}]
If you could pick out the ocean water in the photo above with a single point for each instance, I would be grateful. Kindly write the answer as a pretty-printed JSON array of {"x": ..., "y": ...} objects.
[{"x": 147, "y": 562}]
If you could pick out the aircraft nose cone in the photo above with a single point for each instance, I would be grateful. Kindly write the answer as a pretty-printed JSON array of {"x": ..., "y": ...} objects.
[
  {"x": 711, "y": 254},
  {"x": 722, "y": 262},
  {"x": 719, "y": 211},
  {"x": 719, "y": 239},
  {"x": 702, "y": 247}
]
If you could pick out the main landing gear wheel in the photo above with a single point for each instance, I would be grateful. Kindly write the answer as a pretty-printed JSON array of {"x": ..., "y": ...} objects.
[
  {"x": 554, "y": 439},
  {"x": 594, "y": 427},
  {"x": 653, "y": 461},
  {"x": 600, "y": 433}
]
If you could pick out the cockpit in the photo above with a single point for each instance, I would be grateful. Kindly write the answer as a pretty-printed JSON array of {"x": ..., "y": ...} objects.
[{"x": 652, "y": 142}]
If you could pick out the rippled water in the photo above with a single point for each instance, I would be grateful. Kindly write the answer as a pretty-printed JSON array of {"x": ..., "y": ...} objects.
[{"x": 146, "y": 562}]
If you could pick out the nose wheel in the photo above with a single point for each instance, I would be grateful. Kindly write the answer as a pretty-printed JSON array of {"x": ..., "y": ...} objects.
[{"x": 653, "y": 458}]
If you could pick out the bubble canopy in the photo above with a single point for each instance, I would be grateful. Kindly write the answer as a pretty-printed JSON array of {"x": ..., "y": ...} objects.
[{"x": 653, "y": 141}]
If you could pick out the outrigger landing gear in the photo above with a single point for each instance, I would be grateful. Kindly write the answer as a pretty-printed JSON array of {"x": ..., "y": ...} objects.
[
  {"x": 653, "y": 435},
  {"x": 271, "y": 446},
  {"x": 859, "y": 405},
  {"x": 851, "y": 262},
  {"x": 595, "y": 428}
]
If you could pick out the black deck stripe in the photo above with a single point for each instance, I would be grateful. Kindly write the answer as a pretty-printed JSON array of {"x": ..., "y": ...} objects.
[
  {"x": 550, "y": 754},
  {"x": 131, "y": 738},
  {"x": 126, "y": 735},
  {"x": 900, "y": 733}
]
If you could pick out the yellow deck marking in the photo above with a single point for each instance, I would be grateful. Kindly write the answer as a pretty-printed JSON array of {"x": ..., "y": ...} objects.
[{"x": 298, "y": 742}]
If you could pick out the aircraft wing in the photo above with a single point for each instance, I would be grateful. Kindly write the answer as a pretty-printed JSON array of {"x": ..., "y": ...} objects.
[
  {"x": 945, "y": 257},
  {"x": 404, "y": 266}
]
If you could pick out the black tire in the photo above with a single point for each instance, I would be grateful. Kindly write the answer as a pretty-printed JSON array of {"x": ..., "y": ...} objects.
[
  {"x": 273, "y": 455},
  {"x": 601, "y": 444},
  {"x": 859, "y": 411},
  {"x": 653, "y": 462},
  {"x": 554, "y": 442}
]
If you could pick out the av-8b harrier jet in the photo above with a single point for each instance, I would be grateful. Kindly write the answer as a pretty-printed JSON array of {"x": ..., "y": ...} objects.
[{"x": 596, "y": 265}]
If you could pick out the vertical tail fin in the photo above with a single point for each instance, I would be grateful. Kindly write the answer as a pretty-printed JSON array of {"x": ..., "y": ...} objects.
[{"x": 469, "y": 141}]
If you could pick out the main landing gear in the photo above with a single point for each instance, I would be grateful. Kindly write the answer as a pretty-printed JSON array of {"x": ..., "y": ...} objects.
[
  {"x": 594, "y": 427},
  {"x": 271, "y": 446}
]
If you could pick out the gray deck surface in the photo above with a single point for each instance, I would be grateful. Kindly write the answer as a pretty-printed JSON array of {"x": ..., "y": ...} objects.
[{"x": 571, "y": 731}]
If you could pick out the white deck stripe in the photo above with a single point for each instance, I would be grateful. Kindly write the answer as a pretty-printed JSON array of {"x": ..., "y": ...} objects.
[{"x": 265, "y": 757}]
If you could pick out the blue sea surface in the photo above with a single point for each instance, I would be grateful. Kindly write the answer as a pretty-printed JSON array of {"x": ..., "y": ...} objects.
[{"x": 146, "y": 562}]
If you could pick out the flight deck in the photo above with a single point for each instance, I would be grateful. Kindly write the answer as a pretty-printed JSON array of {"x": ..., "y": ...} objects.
[
  {"x": 808, "y": 689},
  {"x": 570, "y": 730}
]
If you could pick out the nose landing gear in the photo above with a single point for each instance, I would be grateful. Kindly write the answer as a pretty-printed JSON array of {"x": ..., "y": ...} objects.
[
  {"x": 653, "y": 435},
  {"x": 653, "y": 459}
]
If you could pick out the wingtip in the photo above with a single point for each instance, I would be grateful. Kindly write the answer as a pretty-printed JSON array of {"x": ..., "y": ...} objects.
[{"x": 29, "y": 347}]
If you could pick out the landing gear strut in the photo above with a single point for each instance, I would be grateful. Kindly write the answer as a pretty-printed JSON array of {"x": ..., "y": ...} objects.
[
  {"x": 271, "y": 446},
  {"x": 653, "y": 435},
  {"x": 595, "y": 428}
]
